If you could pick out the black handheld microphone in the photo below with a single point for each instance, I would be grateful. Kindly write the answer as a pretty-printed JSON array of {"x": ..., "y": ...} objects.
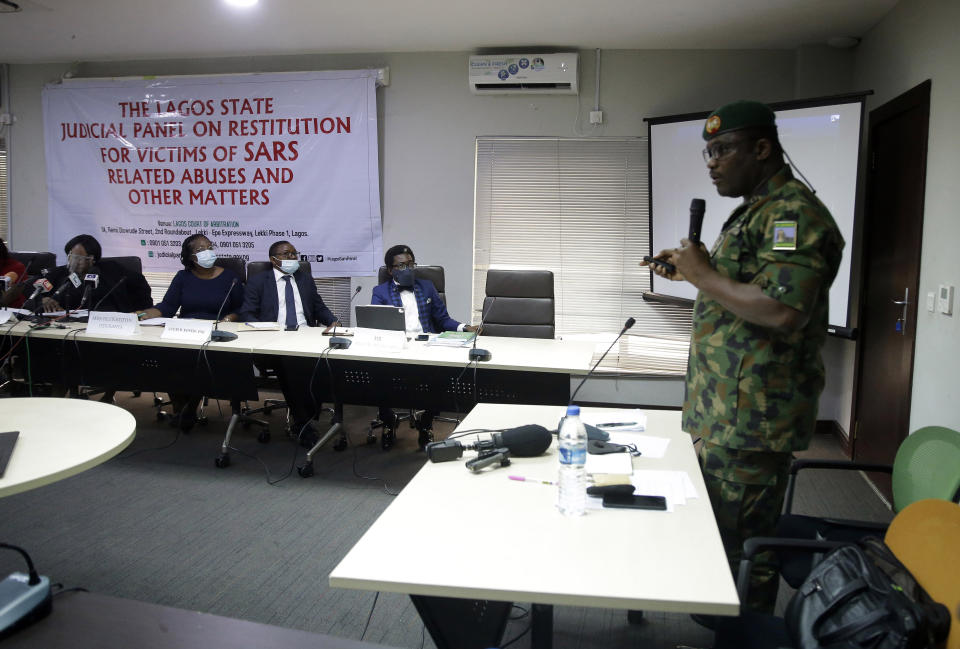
[
  {"x": 107, "y": 294},
  {"x": 216, "y": 335},
  {"x": 339, "y": 342},
  {"x": 629, "y": 323},
  {"x": 523, "y": 441},
  {"x": 71, "y": 279},
  {"x": 481, "y": 354},
  {"x": 91, "y": 281},
  {"x": 39, "y": 286},
  {"x": 697, "y": 208}
]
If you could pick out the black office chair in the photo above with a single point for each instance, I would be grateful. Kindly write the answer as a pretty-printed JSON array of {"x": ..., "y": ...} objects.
[
  {"x": 235, "y": 264},
  {"x": 35, "y": 262},
  {"x": 435, "y": 275},
  {"x": 519, "y": 303}
]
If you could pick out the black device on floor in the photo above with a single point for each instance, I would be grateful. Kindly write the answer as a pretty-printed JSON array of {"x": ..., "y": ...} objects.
[
  {"x": 7, "y": 440},
  {"x": 625, "y": 501}
]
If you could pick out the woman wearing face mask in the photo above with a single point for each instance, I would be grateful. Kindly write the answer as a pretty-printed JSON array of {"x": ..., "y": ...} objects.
[
  {"x": 200, "y": 288},
  {"x": 197, "y": 291}
]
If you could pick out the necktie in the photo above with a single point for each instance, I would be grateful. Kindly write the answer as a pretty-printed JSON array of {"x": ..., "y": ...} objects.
[{"x": 291, "y": 322}]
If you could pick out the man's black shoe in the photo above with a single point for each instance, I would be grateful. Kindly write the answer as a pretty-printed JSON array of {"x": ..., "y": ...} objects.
[{"x": 308, "y": 437}]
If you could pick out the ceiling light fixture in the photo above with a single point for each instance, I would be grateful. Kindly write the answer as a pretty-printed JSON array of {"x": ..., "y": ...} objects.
[{"x": 241, "y": 4}]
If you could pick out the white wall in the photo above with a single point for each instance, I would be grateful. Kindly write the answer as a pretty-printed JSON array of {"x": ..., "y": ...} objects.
[
  {"x": 429, "y": 121},
  {"x": 914, "y": 42}
]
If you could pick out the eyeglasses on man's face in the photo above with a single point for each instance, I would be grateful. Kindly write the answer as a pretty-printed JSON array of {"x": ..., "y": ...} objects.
[
  {"x": 404, "y": 266},
  {"x": 720, "y": 151},
  {"x": 287, "y": 254}
]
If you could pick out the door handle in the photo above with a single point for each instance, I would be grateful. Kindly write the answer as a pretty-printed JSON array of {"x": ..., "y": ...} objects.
[{"x": 903, "y": 304}]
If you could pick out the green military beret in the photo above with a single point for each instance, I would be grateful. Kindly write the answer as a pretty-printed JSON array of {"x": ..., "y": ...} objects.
[{"x": 736, "y": 116}]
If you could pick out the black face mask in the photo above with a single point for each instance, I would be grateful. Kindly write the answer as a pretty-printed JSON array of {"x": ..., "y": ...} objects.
[{"x": 404, "y": 278}]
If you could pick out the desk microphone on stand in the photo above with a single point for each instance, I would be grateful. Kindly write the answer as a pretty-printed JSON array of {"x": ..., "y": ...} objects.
[
  {"x": 339, "y": 342},
  {"x": 629, "y": 323},
  {"x": 107, "y": 294},
  {"x": 481, "y": 354},
  {"x": 216, "y": 335}
]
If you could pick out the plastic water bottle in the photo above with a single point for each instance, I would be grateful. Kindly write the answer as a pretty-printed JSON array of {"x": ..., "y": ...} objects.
[{"x": 572, "y": 482}]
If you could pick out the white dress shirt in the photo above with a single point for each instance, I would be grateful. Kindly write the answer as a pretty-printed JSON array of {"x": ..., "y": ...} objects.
[
  {"x": 411, "y": 314},
  {"x": 282, "y": 298}
]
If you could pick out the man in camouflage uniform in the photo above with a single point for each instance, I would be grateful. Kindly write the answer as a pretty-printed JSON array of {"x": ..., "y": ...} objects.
[{"x": 760, "y": 319}]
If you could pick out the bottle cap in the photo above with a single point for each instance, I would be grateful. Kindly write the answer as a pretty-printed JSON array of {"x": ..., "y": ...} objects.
[{"x": 573, "y": 410}]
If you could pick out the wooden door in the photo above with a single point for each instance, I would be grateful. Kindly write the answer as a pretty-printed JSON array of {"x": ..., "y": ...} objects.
[{"x": 892, "y": 236}]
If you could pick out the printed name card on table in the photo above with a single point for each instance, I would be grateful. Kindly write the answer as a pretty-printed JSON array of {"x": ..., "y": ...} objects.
[
  {"x": 382, "y": 338},
  {"x": 189, "y": 330},
  {"x": 110, "y": 323}
]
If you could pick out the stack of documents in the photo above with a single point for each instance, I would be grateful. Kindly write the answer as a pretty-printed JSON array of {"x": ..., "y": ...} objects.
[{"x": 453, "y": 339}]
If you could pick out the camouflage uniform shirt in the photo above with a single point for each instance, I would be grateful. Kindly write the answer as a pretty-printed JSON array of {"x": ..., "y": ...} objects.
[{"x": 750, "y": 387}]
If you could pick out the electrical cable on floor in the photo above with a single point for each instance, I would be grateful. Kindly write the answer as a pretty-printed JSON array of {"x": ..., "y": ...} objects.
[{"x": 370, "y": 616}]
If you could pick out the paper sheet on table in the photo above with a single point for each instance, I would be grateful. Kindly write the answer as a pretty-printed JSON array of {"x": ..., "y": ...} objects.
[
  {"x": 82, "y": 313},
  {"x": 263, "y": 326},
  {"x": 648, "y": 445},
  {"x": 621, "y": 419},
  {"x": 618, "y": 463}
]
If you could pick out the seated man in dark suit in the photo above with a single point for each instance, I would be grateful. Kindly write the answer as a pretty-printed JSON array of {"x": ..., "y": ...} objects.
[
  {"x": 289, "y": 296},
  {"x": 83, "y": 257},
  {"x": 425, "y": 312}
]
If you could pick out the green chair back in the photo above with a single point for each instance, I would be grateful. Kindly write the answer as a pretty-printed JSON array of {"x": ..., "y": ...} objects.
[{"x": 927, "y": 465}]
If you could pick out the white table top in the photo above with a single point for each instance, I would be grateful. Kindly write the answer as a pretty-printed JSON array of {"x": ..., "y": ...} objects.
[
  {"x": 60, "y": 438},
  {"x": 531, "y": 354},
  {"x": 452, "y": 533}
]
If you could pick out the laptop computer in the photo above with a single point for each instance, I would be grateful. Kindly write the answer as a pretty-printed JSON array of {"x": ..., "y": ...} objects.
[{"x": 380, "y": 316}]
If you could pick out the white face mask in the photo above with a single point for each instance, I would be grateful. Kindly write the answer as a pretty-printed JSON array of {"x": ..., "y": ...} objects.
[
  {"x": 206, "y": 258},
  {"x": 289, "y": 266}
]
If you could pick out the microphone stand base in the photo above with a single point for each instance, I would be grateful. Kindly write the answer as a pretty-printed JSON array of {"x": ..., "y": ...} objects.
[
  {"x": 338, "y": 342},
  {"x": 220, "y": 336},
  {"x": 480, "y": 355}
]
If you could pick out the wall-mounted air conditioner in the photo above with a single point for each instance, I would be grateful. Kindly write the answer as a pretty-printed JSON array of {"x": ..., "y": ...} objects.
[{"x": 503, "y": 74}]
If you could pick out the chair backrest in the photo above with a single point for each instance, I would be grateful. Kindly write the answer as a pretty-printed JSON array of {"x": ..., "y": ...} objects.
[
  {"x": 130, "y": 264},
  {"x": 519, "y": 303},
  {"x": 35, "y": 261},
  {"x": 257, "y": 267},
  {"x": 432, "y": 273},
  {"x": 927, "y": 465},
  {"x": 925, "y": 537},
  {"x": 236, "y": 264}
]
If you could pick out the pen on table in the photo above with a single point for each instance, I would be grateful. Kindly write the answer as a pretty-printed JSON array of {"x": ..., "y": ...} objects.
[
  {"x": 520, "y": 478},
  {"x": 617, "y": 423}
]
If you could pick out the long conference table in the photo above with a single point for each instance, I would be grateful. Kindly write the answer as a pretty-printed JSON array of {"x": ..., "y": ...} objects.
[
  {"x": 503, "y": 541},
  {"x": 521, "y": 370}
]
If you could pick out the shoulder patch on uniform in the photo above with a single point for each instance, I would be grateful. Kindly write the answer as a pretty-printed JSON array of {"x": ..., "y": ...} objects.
[{"x": 784, "y": 235}]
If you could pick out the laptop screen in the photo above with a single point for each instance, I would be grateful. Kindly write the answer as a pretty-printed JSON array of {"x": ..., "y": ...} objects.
[{"x": 380, "y": 316}]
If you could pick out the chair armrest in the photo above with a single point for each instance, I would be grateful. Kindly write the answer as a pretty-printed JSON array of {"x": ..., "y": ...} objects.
[
  {"x": 756, "y": 544},
  {"x": 848, "y": 465}
]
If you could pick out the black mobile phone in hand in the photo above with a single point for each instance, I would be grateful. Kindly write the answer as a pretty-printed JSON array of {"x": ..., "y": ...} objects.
[
  {"x": 666, "y": 265},
  {"x": 625, "y": 501}
]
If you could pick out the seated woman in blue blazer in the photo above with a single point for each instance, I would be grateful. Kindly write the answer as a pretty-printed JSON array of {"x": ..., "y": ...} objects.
[
  {"x": 202, "y": 291},
  {"x": 425, "y": 313}
]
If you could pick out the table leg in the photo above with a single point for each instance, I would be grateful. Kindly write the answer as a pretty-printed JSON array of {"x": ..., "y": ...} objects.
[
  {"x": 541, "y": 626},
  {"x": 456, "y": 623}
]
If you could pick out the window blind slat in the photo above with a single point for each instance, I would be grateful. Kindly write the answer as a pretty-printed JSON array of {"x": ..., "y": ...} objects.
[{"x": 577, "y": 207}]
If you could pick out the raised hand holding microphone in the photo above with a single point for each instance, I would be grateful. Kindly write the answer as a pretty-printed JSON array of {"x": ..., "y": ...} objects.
[{"x": 689, "y": 261}]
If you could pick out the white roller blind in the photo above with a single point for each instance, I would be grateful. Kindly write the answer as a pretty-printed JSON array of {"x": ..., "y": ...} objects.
[
  {"x": 577, "y": 207},
  {"x": 4, "y": 199}
]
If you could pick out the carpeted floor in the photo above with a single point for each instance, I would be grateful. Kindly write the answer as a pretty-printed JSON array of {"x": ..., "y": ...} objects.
[{"x": 160, "y": 523}]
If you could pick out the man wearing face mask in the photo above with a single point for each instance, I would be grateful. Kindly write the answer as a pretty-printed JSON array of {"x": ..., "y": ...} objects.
[
  {"x": 289, "y": 296},
  {"x": 424, "y": 311},
  {"x": 83, "y": 258}
]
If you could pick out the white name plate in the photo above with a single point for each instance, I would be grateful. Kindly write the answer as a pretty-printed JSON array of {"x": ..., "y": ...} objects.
[
  {"x": 380, "y": 338},
  {"x": 111, "y": 323},
  {"x": 189, "y": 330}
]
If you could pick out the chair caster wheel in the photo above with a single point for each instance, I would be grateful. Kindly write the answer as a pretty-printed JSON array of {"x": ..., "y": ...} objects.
[
  {"x": 387, "y": 440},
  {"x": 136, "y": 394},
  {"x": 202, "y": 420},
  {"x": 634, "y": 617},
  {"x": 306, "y": 470},
  {"x": 157, "y": 402},
  {"x": 341, "y": 444},
  {"x": 222, "y": 461},
  {"x": 264, "y": 436},
  {"x": 371, "y": 439}
]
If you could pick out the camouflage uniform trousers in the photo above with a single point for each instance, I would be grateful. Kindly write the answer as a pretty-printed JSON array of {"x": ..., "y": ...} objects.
[{"x": 746, "y": 490}]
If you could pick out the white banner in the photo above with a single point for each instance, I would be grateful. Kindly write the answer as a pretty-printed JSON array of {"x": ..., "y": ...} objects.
[{"x": 245, "y": 159}]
